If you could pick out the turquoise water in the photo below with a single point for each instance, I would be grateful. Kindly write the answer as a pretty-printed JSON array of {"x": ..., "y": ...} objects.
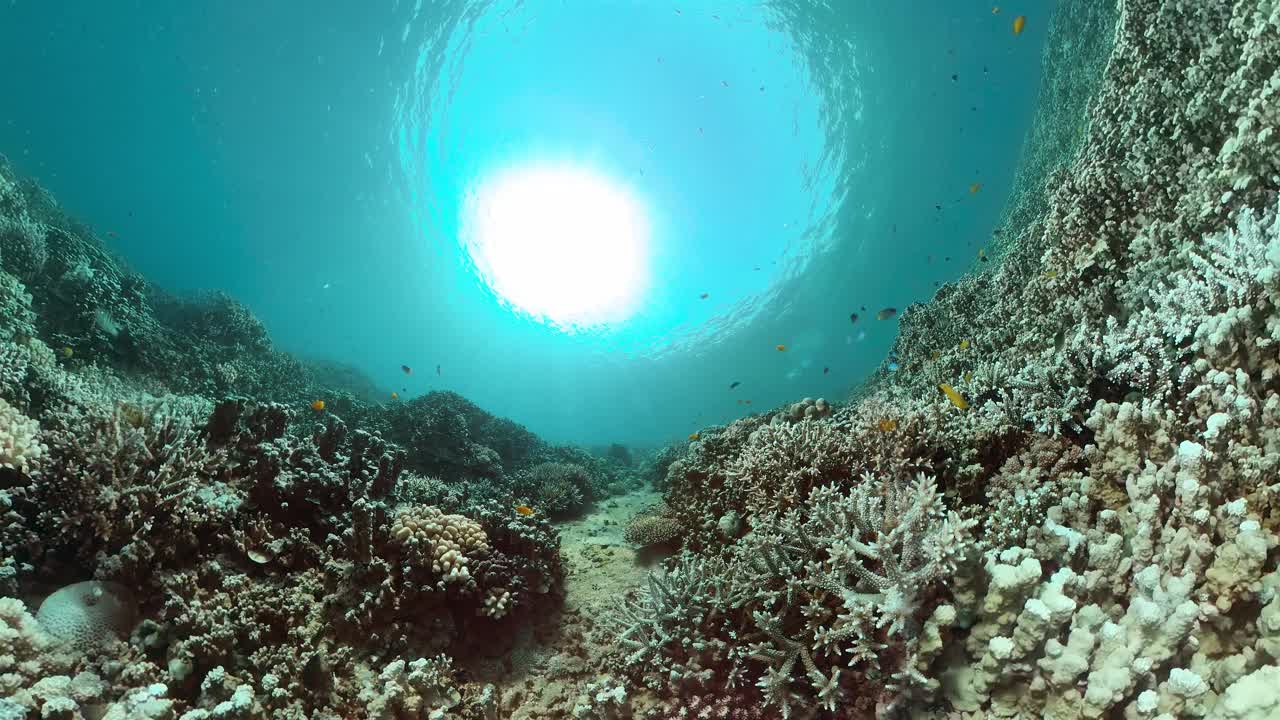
[{"x": 316, "y": 160}]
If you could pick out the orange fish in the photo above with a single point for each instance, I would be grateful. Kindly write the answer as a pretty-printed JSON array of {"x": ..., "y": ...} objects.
[
  {"x": 888, "y": 425},
  {"x": 317, "y": 405},
  {"x": 395, "y": 396},
  {"x": 694, "y": 436},
  {"x": 524, "y": 510},
  {"x": 781, "y": 348},
  {"x": 1019, "y": 23},
  {"x": 975, "y": 188}
]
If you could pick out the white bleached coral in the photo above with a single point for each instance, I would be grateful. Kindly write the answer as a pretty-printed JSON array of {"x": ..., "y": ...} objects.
[
  {"x": 20, "y": 446},
  {"x": 447, "y": 541}
]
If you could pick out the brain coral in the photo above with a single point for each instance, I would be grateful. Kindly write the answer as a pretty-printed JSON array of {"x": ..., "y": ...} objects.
[
  {"x": 88, "y": 614},
  {"x": 19, "y": 447},
  {"x": 447, "y": 540}
]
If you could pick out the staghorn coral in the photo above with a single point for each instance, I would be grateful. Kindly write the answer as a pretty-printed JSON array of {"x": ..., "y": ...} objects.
[{"x": 854, "y": 577}]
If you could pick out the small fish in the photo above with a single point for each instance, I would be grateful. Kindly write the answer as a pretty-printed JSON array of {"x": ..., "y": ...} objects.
[
  {"x": 1050, "y": 274},
  {"x": 437, "y": 370},
  {"x": 724, "y": 83},
  {"x": 781, "y": 348},
  {"x": 982, "y": 255},
  {"x": 954, "y": 77},
  {"x": 112, "y": 234},
  {"x": 407, "y": 370},
  {"x": 956, "y": 398},
  {"x": 968, "y": 376},
  {"x": 964, "y": 344},
  {"x": 893, "y": 366},
  {"x": 887, "y": 425},
  {"x": 886, "y": 313},
  {"x": 1019, "y": 23},
  {"x": 862, "y": 335},
  {"x": 974, "y": 188},
  {"x": 317, "y": 405},
  {"x": 325, "y": 286},
  {"x": 935, "y": 355},
  {"x": 995, "y": 10},
  {"x": 739, "y": 401},
  {"x": 747, "y": 402},
  {"x": 863, "y": 308},
  {"x": 694, "y": 436},
  {"x": 524, "y": 510},
  {"x": 853, "y": 317},
  {"x": 67, "y": 352},
  {"x": 395, "y": 395},
  {"x": 826, "y": 370},
  {"x": 734, "y": 384},
  {"x": 704, "y": 296}
]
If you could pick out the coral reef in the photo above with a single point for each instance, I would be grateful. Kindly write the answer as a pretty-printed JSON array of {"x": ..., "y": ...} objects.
[
  {"x": 1062, "y": 501},
  {"x": 1110, "y": 476}
]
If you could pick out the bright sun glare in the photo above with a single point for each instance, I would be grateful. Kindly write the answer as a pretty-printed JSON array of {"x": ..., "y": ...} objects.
[{"x": 563, "y": 244}]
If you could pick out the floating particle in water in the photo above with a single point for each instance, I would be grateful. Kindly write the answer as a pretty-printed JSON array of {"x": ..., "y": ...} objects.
[
  {"x": 886, "y": 313},
  {"x": 437, "y": 370},
  {"x": 995, "y": 10}
]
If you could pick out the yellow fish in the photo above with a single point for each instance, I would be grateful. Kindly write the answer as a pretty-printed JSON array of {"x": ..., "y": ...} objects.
[
  {"x": 1050, "y": 274},
  {"x": 975, "y": 188},
  {"x": 781, "y": 348},
  {"x": 395, "y": 395},
  {"x": 888, "y": 425},
  {"x": 694, "y": 436},
  {"x": 968, "y": 377},
  {"x": 964, "y": 344},
  {"x": 935, "y": 355},
  {"x": 67, "y": 352},
  {"x": 524, "y": 510},
  {"x": 956, "y": 398},
  {"x": 1019, "y": 23},
  {"x": 318, "y": 405}
]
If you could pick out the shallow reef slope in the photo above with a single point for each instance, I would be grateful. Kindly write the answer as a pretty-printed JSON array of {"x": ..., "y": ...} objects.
[
  {"x": 1065, "y": 503},
  {"x": 1086, "y": 526}
]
